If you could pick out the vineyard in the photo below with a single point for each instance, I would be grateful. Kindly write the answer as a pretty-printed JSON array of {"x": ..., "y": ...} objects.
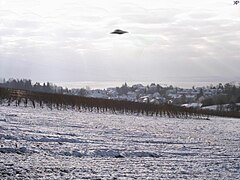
[{"x": 61, "y": 101}]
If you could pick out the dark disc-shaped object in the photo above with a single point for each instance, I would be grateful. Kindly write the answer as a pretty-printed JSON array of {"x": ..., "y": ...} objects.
[{"x": 119, "y": 31}]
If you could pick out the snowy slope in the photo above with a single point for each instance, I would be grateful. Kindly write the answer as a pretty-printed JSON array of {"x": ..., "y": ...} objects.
[{"x": 44, "y": 144}]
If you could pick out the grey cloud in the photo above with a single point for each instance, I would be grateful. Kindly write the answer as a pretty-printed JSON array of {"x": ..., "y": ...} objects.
[
  {"x": 202, "y": 15},
  {"x": 26, "y": 24}
]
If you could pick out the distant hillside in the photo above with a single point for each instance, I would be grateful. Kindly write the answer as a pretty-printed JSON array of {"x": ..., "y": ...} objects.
[
  {"x": 60, "y": 101},
  {"x": 154, "y": 93}
]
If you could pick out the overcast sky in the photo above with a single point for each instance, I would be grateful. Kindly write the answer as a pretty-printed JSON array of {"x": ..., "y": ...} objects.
[{"x": 168, "y": 40}]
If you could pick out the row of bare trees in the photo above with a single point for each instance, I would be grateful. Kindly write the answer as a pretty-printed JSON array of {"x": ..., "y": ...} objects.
[{"x": 60, "y": 101}]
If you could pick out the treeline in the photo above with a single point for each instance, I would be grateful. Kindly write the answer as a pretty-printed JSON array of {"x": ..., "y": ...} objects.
[
  {"x": 60, "y": 101},
  {"x": 26, "y": 84},
  {"x": 230, "y": 95}
]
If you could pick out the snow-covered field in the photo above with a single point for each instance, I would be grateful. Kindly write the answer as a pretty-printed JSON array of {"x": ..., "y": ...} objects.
[{"x": 44, "y": 144}]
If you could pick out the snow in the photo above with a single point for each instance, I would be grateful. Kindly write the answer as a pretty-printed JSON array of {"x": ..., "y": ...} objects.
[
  {"x": 192, "y": 105},
  {"x": 51, "y": 144}
]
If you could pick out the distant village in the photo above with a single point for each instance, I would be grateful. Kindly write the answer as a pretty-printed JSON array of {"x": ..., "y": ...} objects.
[
  {"x": 218, "y": 96},
  {"x": 152, "y": 93},
  {"x": 195, "y": 97}
]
